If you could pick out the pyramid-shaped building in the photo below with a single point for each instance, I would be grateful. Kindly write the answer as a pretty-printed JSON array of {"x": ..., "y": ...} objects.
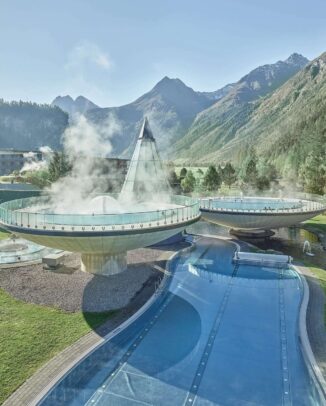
[{"x": 146, "y": 177}]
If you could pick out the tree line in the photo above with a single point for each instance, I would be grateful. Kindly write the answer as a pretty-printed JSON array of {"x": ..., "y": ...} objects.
[
  {"x": 27, "y": 126},
  {"x": 254, "y": 174}
]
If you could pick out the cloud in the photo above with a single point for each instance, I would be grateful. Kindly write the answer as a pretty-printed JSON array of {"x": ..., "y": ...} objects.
[
  {"x": 88, "y": 53},
  {"x": 87, "y": 68}
]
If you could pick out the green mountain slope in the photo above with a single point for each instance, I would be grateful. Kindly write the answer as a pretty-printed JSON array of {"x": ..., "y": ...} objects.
[
  {"x": 28, "y": 126},
  {"x": 216, "y": 127},
  {"x": 170, "y": 106},
  {"x": 288, "y": 125}
]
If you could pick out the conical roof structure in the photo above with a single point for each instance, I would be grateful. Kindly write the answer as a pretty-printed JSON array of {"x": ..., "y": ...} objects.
[{"x": 146, "y": 177}]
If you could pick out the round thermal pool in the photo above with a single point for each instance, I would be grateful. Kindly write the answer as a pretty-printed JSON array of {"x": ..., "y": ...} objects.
[
  {"x": 259, "y": 212},
  {"x": 102, "y": 230}
]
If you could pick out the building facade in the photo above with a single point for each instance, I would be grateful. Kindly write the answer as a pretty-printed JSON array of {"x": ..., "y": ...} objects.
[{"x": 12, "y": 160}]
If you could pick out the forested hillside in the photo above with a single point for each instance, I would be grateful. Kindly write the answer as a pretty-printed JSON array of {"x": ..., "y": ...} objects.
[
  {"x": 286, "y": 129},
  {"x": 28, "y": 126},
  {"x": 170, "y": 107},
  {"x": 216, "y": 126}
]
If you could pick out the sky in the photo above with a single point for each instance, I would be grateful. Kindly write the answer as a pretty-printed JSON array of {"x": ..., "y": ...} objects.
[{"x": 113, "y": 51}]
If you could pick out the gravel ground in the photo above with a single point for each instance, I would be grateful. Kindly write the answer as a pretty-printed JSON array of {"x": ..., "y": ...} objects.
[{"x": 70, "y": 289}]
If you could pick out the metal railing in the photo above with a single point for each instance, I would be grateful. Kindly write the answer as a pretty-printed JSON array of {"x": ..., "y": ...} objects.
[
  {"x": 268, "y": 205},
  {"x": 31, "y": 213}
]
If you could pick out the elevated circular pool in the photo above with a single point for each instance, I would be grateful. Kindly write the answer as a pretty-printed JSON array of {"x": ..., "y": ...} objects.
[
  {"x": 101, "y": 237},
  {"x": 251, "y": 213}
]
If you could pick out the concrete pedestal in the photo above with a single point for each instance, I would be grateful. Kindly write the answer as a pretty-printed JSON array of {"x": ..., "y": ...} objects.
[
  {"x": 104, "y": 264},
  {"x": 251, "y": 234}
]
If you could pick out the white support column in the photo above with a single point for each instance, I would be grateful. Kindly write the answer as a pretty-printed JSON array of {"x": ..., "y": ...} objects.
[{"x": 104, "y": 264}]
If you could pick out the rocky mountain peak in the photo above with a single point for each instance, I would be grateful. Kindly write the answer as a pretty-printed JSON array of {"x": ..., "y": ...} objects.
[
  {"x": 297, "y": 60},
  {"x": 80, "y": 105}
]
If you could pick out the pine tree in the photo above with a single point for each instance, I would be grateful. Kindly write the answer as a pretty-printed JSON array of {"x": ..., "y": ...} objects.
[
  {"x": 174, "y": 181},
  {"x": 183, "y": 173},
  {"x": 59, "y": 166},
  {"x": 313, "y": 173},
  {"x": 188, "y": 183},
  {"x": 229, "y": 175},
  {"x": 212, "y": 179},
  {"x": 249, "y": 173}
]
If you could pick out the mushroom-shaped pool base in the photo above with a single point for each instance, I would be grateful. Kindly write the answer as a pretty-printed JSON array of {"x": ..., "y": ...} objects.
[
  {"x": 104, "y": 264},
  {"x": 102, "y": 239},
  {"x": 254, "y": 217}
]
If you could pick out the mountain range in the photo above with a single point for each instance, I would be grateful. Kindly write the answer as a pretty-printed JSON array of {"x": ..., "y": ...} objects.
[
  {"x": 278, "y": 108},
  {"x": 170, "y": 107},
  {"x": 216, "y": 126},
  {"x": 286, "y": 126},
  {"x": 80, "y": 105}
]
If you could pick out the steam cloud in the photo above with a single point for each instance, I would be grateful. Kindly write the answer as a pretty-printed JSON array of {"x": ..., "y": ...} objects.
[
  {"x": 81, "y": 192},
  {"x": 32, "y": 163},
  {"x": 83, "y": 143}
]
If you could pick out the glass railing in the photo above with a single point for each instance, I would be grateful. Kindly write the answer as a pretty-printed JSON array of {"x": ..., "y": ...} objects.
[
  {"x": 296, "y": 204},
  {"x": 31, "y": 212}
]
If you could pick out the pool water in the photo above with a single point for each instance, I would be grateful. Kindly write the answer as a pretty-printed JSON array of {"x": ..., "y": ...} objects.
[
  {"x": 255, "y": 204},
  {"x": 19, "y": 250},
  {"x": 221, "y": 335}
]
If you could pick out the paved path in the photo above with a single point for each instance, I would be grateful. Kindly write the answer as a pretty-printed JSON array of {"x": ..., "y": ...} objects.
[
  {"x": 47, "y": 375},
  {"x": 316, "y": 327},
  {"x": 315, "y": 319}
]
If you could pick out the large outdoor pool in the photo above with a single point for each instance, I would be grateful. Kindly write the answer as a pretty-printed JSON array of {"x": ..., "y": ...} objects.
[{"x": 220, "y": 335}]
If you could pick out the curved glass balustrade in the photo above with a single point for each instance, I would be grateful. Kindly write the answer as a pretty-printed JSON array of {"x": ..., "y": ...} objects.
[
  {"x": 262, "y": 204},
  {"x": 13, "y": 213}
]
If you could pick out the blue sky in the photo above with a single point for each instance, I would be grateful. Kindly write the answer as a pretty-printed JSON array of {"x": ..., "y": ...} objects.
[{"x": 114, "y": 51}]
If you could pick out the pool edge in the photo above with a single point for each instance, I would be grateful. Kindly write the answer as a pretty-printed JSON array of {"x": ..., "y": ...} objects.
[
  {"x": 61, "y": 375},
  {"x": 18, "y": 398},
  {"x": 308, "y": 354}
]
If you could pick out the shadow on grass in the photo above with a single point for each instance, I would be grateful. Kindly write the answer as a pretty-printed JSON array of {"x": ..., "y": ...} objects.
[{"x": 104, "y": 322}]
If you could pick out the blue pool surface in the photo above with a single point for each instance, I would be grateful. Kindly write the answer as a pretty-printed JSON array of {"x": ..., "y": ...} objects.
[
  {"x": 255, "y": 204},
  {"x": 26, "y": 251},
  {"x": 221, "y": 335}
]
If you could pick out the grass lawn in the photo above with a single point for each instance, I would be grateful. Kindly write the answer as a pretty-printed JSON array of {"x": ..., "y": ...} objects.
[
  {"x": 3, "y": 234},
  {"x": 321, "y": 275},
  {"x": 318, "y": 222},
  {"x": 32, "y": 334}
]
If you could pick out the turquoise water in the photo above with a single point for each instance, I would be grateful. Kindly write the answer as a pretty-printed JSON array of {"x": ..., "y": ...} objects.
[
  {"x": 251, "y": 204},
  {"x": 26, "y": 251},
  {"x": 20, "y": 212},
  {"x": 221, "y": 335}
]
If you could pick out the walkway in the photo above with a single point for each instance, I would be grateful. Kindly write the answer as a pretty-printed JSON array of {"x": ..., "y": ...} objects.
[{"x": 315, "y": 319}]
